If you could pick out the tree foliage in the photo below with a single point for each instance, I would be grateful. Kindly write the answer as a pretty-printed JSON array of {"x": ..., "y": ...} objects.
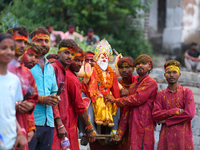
[{"x": 114, "y": 20}]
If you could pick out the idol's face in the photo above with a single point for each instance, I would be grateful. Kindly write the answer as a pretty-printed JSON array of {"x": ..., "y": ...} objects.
[{"x": 103, "y": 61}]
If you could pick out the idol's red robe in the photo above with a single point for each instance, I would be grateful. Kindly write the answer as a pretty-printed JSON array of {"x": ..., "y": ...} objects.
[
  {"x": 124, "y": 144},
  {"x": 176, "y": 134},
  {"x": 137, "y": 115},
  {"x": 61, "y": 109},
  {"x": 93, "y": 93},
  {"x": 115, "y": 89},
  {"x": 76, "y": 107},
  {"x": 28, "y": 86}
]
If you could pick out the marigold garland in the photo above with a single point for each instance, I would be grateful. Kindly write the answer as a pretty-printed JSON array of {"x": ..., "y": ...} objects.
[{"x": 108, "y": 83}]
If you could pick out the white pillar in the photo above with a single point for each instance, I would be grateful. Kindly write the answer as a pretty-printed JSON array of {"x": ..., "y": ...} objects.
[{"x": 182, "y": 24}]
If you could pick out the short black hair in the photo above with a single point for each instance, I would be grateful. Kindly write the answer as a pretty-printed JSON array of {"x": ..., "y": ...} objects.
[
  {"x": 36, "y": 48},
  {"x": 68, "y": 43},
  {"x": 89, "y": 52},
  {"x": 21, "y": 30},
  {"x": 90, "y": 30},
  {"x": 172, "y": 62},
  {"x": 80, "y": 50},
  {"x": 55, "y": 56},
  {"x": 71, "y": 26},
  {"x": 48, "y": 26},
  {"x": 5, "y": 36},
  {"x": 193, "y": 44},
  {"x": 128, "y": 60},
  {"x": 38, "y": 31}
]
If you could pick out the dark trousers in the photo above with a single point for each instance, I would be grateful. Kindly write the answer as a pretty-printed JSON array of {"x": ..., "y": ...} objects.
[{"x": 43, "y": 138}]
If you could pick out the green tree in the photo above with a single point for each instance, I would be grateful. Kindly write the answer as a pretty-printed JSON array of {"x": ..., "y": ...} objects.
[{"x": 114, "y": 20}]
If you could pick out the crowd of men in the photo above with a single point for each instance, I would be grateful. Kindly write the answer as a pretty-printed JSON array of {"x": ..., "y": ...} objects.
[{"x": 40, "y": 103}]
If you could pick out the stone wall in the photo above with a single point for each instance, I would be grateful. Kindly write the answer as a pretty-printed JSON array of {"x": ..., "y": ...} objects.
[{"x": 182, "y": 24}]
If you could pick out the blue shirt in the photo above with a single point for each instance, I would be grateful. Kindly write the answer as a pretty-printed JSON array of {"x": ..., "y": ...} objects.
[{"x": 46, "y": 84}]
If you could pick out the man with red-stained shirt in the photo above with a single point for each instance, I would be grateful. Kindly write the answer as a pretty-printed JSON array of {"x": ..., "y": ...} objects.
[
  {"x": 60, "y": 111},
  {"x": 31, "y": 55},
  {"x": 76, "y": 104},
  {"x": 125, "y": 67},
  {"x": 174, "y": 108},
  {"x": 29, "y": 60},
  {"x": 89, "y": 58},
  {"x": 29, "y": 88},
  {"x": 137, "y": 114},
  {"x": 89, "y": 55}
]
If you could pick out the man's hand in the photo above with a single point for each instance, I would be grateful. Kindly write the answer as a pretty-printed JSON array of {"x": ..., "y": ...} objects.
[
  {"x": 17, "y": 105},
  {"x": 62, "y": 132},
  {"x": 25, "y": 106},
  {"x": 123, "y": 92},
  {"x": 91, "y": 136},
  {"x": 20, "y": 142},
  {"x": 30, "y": 135},
  {"x": 162, "y": 122},
  {"x": 117, "y": 138},
  {"x": 50, "y": 100},
  {"x": 110, "y": 98}
]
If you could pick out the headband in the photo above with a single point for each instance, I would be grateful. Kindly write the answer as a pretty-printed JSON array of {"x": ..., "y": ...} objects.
[
  {"x": 66, "y": 48},
  {"x": 20, "y": 37},
  {"x": 78, "y": 54},
  {"x": 89, "y": 54},
  {"x": 172, "y": 67},
  {"x": 39, "y": 35},
  {"x": 53, "y": 59}
]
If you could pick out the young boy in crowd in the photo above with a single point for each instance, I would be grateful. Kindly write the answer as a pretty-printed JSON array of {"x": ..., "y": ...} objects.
[
  {"x": 67, "y": 48},
  {"x": 77, "y": 107},
  {"x": 31, "y": 55},
  {"x": 29, "y": 88},
  {"x": 11, "y": 134}
]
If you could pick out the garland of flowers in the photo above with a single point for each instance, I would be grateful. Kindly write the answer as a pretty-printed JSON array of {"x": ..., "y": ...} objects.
[{"x": 100, "y": 76}]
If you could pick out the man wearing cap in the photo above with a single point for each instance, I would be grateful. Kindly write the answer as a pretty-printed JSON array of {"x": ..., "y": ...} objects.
[
  {"x": 174, "y": 108},
  {"x": 137, "y": 114}
]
